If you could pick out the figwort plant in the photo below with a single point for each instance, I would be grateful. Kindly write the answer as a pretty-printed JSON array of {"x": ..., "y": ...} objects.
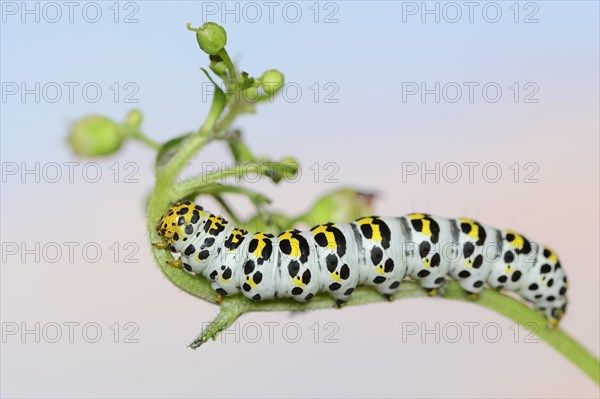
[{"x": 98, "y": 135}]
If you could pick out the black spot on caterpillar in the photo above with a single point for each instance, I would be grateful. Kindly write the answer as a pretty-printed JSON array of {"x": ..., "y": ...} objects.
[{"x": 335, "y": 258}]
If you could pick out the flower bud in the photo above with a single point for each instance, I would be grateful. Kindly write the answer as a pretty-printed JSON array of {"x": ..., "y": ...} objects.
[
  {"x": 250, "y": 94},
  {"x": 218, "y": 67},
  {"x": 211, "y": 38},
  {"x": 286, "y": 169},
  {"x": 272, "y": 81},
  {"x": 289, "y": 169},
  {"x": 134, "y": 118},
  {"x": 341, "y": 206},
  {"x": 275, "y": 222},
  {"x": 95, "y": 135}
]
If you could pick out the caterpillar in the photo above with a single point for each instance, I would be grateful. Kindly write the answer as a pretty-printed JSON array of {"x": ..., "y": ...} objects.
[{"x": 375, "y": 251}]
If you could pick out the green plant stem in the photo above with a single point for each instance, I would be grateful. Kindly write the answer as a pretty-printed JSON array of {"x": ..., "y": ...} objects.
[
  {"x": 234, "y": 111},
  {"x": 161, "y": 197},
  {"x": 230, "y": 67},
  {"x": 515, "y": 310},
  {"x": 229, "y": 312},
  {"x": 228, "y": 210},
  {"x": 236, "y": 108},
  {"x": 213, "y": 188},
  {"x": 194, "y": 143},
  {"x": 146, "y": 140},
  {"x": 138, "y": 135},
  {"x": 238, "y": 171}
]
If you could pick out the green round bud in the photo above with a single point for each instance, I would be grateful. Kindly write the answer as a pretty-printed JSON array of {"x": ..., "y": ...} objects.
[
  {"x": 276, "y": 222},
  {"x": 341, "y": 205},
  {"x": 218, "y": 67},
  {"x": 272, "y": 81},
  {"x": 211, "y": 38},
  {"x": 95, "y": 135},
  {"x": 290, "y": 168},
  {"x": 134, "y": 118},
  {"x": 250, "y": 94},
  {"x": 286, "y": 169}
]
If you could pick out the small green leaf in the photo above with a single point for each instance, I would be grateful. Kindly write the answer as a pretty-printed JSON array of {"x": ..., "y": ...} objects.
[
  {"x": 168, "y": 149},
  {"x": 247, "y": 83},
  {"x": 209, "y": 77},
  {"x": 239, "y": 149},
  {"x": 216, "y": 107}
]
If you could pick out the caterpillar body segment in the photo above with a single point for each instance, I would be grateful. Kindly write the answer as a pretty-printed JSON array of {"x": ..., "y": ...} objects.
[{"x": 374, "y": 251}]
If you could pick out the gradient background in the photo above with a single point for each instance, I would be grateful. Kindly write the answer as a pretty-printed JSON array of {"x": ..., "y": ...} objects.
[{"x": 369, "y": 132}]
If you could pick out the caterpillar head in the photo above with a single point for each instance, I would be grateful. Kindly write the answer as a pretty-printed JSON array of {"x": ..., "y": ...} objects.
[{"x": 179, "y": 223}]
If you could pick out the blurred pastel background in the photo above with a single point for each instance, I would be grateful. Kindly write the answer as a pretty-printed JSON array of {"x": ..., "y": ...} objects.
[{"x": 369, "y": 133}]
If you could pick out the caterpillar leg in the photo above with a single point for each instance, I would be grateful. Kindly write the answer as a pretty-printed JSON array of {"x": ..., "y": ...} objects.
[
  {"x": 556, "y": 315},
  {"x": 176, "y": 263},
  {"x": 472, "y": 295},
  {"x": 221, "y": 293},
  {"x": 553, "y": 323},
  {"x": 389, "y": 287},
  {"x": 341, "y": 297},
  {"x": 383, "y": 273},
  {"x": 434, "y": 286},
  {"x": 160, "y": 245},
  {"x": 300, "y": 281},
  {"x": 341, "y": 294},
  {"x": 339, "y": 303},
  {"x": 437, "y": 291},
  {"x": 553, "y": 314},
  {"x": 223, "y": 283},
  {"x": 470, "y": 283},
  {"x": 338, "y": 280},
  {"x": 470, "y": 280}
]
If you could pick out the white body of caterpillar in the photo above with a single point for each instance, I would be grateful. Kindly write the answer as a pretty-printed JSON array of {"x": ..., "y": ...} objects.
[{"x": 374, "y": 251}]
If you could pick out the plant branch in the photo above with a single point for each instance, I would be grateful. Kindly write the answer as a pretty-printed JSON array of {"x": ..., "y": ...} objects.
[
  {"x": 227, "y": 209},
  {"x": 133, "y": 132},
  {"x": 161, "y": 195},
  {"x": 229, "y": 64},
  {"x": 139, "y": 136},
  {"x": 513, "y": 309},
  {"x": 195, "y": 142},
  {"x": 239, "y": 171},
  {"x": 213, "y": 188}
]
